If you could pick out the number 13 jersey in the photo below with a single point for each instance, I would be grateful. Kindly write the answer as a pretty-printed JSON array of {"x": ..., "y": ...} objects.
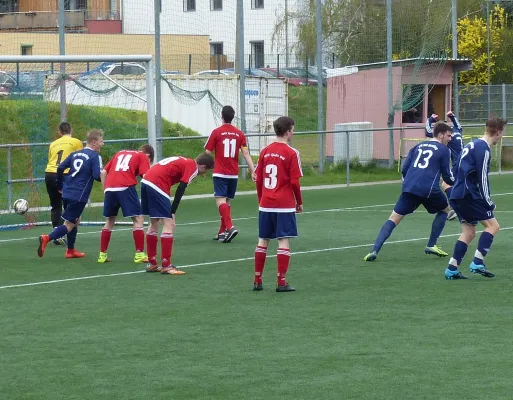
[
  {"x": 424, "y": 165},
  {"x": 123, "y": 169},
  {"x": 278, "y": 164}
]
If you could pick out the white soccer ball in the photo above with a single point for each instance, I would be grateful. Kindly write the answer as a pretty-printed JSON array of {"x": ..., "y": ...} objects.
[{"x": 21, "y": 206}]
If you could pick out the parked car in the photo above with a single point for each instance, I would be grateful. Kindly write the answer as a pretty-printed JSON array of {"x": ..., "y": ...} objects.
[
  {"x": 212, "y": 72},
  {"x": 290, "y": 77},
  {"x": 251, "y": 72},
  {"x": 311, "y": 75},
  {"x": 6, "y": 83},
  {"x": 126, "y": 68}
]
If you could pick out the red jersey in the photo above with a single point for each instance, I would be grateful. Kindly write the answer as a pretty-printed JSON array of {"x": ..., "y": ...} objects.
[
  {"x": 277, "y": 166},
  {"x": 169, "y": 172},
  {"x": 123, "y": 169},
  {"x": 226, "y": 141}
]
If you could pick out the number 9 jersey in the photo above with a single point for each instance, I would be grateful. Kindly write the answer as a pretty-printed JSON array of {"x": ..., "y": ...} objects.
[
  {"x": 84, "y": 168},
  {"x": 277, "y": 166},
  {"x": 424, "y": 165}
]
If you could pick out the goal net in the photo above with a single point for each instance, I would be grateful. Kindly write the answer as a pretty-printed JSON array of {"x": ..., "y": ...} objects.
[{"x": 45, "y": 90}]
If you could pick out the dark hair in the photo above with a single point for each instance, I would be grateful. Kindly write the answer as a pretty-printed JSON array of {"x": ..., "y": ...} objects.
[
  {"x": 440, "y": 127},
  {"x": 65, "y": 128},
  {"x": 205, "y": 159},
  {"x": 148, "y": 150},
  {"x": 495, "y": 125},
  {"x": 228, "y": 113},
  {"x": 283, "y": 125}
]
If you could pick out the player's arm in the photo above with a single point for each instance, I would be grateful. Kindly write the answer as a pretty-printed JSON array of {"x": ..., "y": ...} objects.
[
  {"x": 178, "y": 196},
  {"x": 446, "y": 172},
  {"x": 97, "y": 170},
  {"x": 60, "y": 171},
  {"x": 249, "y": 160},
  {"x": 456, "y": 124},
  {"x": 259, "y": 178},
  {"x": 407, "y": 162},
  {"x": 211, "y": 143},
  {"x": 295, "y": 174},
  {"x": 481, "y": 160},
  {"x": 429, "y": 125}
]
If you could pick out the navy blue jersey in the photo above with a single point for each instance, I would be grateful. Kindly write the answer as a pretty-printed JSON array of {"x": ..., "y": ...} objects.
[
  {"x": 429, "y": 126},
  {"x": 456, "y": 143},
  {"x": 85, "y": 166},
  {"x": 424, "y": 165},
  {"x": 472, "y": 173}
]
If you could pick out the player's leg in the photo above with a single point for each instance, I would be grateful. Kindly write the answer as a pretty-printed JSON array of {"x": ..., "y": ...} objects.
[
  {"x": 138, "y": 236},
  {"x": 231, "y": 230},
  {"x": 220, "y": 196},
  {"x": 436, "y": 204},
  {"x": 152, "y": 241},
  {"x": 105, "y": 236},
  {"x": 406, "y": 204},
  {"x": 266, "y": 231},
  {"x": 468, "y": 232},
  {"x": 57, "y": 232},
  {"x": 131, "y": 208},
  {"x": 286, "y": 228},
  {"x": 55, "y": 203},
  {"x": 451, "y": 215},
  {"x": 166, "y": 243},
  {"x": 72, "y": 213},
  {"x": 483, "y": 247}
]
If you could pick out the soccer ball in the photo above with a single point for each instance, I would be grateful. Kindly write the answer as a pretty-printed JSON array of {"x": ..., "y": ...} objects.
[{"x": 21, "y": 206}]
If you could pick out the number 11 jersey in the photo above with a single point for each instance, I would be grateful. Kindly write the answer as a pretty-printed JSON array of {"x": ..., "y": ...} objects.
[
  {"x": 226, "y": 141},
  {"x": 277, "y": 166},
  {"x": 424, "y": 165},
  {"x": 123, "y": 169}
]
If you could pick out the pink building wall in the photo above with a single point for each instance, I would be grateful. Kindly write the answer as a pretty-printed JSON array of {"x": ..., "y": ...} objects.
[{"x": 363, "y": 97}]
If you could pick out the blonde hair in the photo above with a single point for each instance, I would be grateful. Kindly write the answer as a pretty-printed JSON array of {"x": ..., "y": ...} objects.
[{"x": 93, "y": 135}]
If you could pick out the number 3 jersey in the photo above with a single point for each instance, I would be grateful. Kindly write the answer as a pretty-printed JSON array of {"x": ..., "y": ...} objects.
[
  {"x": 277, "y": 166},
  {"x": 226, "y": 141},
  {"x": 123, "y": 169},
  {"x": 424, "y": 165},
  {"x": 84, "y": 167}
]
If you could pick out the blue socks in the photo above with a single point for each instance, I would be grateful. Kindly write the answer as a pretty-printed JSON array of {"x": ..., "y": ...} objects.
[
  {"x": 384, "y": 234},
  {"x": 483, "y": 247},
  {"x": 457, "y": 256},
  {"x": 58, "y": 232},
  {"x": 72, "y": 237},
  {"x": 437, "y": 227}
]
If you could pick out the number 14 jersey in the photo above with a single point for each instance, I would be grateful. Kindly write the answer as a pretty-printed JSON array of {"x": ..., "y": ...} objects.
[
  {"x": 424, "y": 165},
  {"x": 123, "y": 169},
  {"x": 277, "y": 166}
]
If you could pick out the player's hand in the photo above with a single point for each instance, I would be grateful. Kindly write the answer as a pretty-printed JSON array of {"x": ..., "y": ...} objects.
[
  {"x": 254, "y": 177},
  {"x": 434, "y": 116},
  {"x": 299, "y": 208},
  {"x": 450, "y": 114},
  {"x": 173, "y": 220}
]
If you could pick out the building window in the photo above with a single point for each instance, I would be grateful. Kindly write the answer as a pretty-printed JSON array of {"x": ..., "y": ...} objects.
[
  {"x": 8, "y": 6},
  {"x": 216, "y": 5},
  {"x": 216, "y": 48},
  {"x": 189, "y": 5},
  {"x": 26, "y": 49},
  {"x": 257, "y": 3},
  {"x": 257, "y": 54},
  {"x": 72, "y": 5}
]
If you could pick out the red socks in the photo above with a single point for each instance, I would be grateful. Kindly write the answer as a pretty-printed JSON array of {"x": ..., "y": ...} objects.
[
  {"x": 166, "y": 244},
  {"x": 224, "y": 210},
  {"x": 138, "y": 234},
  {"x": 105, "y": 239},
  {"x": 283, "y": 256},
  {"x": 151, "y": 246},
  {"x": 260, "y": 255}
]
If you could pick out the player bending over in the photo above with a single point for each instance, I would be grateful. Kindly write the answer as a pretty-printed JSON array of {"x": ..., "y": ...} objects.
[
  {"x": 84, "y": 167},
  {"x": 470, "y": 198},
  {"x": 227, "y": 141},
  {"x": 279, "y": 196},
  {"x": 421, "y": 185},
  {"x": 156, "y": 202},
  {"x": 120, "y": 182}
]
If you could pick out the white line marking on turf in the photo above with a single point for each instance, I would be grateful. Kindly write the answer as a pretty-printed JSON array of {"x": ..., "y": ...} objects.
[{"x": 356, "y": 246}]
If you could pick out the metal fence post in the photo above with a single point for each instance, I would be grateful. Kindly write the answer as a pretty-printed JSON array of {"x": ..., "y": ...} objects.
[
  {"x": 348, "y": 170},
  {"x": 504, "y": 104},
  {"x": 9, "y": 179},
  {"x": 190, "y": 64}
]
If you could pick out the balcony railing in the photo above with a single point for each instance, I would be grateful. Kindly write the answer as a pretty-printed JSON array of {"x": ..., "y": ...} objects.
[{"x": 48, "y": 19}]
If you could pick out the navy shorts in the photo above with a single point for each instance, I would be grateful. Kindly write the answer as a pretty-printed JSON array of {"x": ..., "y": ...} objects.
[
  {"x": 153, "y": 203},
  {"x": 72, "y": 210},
  {"x": 127, "y": 199},
  {"x": 225, "y": 187},
  {"x": 409, "y": 202},
  {"x": 276, "y": 225},
  {"x": 471, "y": 211}
]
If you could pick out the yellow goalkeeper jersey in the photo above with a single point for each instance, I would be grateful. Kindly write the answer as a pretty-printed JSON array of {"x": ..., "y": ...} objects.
[{"x": 59, "y": 150}]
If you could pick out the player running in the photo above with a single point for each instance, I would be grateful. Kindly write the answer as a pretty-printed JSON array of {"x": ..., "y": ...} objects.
[
  {"x": 84, "y": 167},
  {"x": 421, "y": 185},
  {"x": 156, "y": 202},
  {"x": 120, "y": 181},
  {"x": 470, "y": 198},
  {"x": 279, "y": 196},
  {"x": 227, "y": 141}
]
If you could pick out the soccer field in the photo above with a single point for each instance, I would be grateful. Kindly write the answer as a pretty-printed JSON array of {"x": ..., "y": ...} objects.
[{"x": 392, "y": 329}]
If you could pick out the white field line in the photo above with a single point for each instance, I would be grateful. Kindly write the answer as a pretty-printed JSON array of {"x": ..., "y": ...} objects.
[{"x": 357, "y": 246}]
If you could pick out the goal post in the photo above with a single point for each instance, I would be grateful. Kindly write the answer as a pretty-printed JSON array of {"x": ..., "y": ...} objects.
[{"x": 122, "y": 104}]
